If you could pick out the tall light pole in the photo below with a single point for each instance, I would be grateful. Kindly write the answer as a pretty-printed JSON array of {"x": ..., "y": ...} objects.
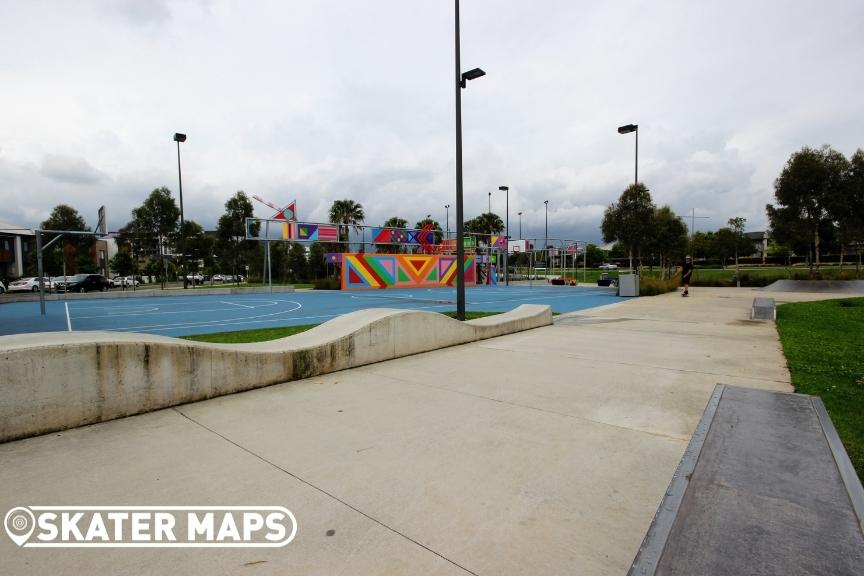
[
  {"x": 461, "y": 82},
  {"x": 178, "y": 138},
  {"x": 447, "y": 216},
  {"x": 627, "y": 130},
  {"x": 520, "y": 225},
  {"x": 546, "y": 239},
  {"x": 506, "y": 191}
]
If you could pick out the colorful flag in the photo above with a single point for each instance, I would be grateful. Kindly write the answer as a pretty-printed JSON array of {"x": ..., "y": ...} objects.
[{"x": 328, "y": 233}]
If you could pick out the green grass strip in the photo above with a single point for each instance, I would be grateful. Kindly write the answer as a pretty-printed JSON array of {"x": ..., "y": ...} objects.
[
  {"x": 264, "y": 334},
  {"x": 824, "y": 346}
]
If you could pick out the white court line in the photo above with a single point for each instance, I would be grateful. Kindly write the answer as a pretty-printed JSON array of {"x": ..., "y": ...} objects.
[
  {"x": 198, "y": 324},
  {"x": 68, "y": 321},
  {"x": 235, "y": 304},
  {"x": 266, "y": 303}
]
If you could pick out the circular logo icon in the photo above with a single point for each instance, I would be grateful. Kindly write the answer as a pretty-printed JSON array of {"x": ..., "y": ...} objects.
[{"x": 19, "y": 523}]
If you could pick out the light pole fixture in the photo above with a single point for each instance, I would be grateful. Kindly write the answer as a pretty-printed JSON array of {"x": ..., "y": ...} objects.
[
  {"x": 627, "y": 130},
  {"x": 447, "y": 216},
  {"x": 546, "y": 239},
  {"x": 520, "y": 225},
  {"x": 461, "y": 82},
  {"x": 178, "y": 138},
  {"x": 506, "y": 191}
]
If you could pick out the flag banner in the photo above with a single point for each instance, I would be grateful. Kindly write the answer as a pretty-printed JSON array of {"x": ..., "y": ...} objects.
[
  {"x": 289, "y": 212},
  {"x": 307, "y": 232},
  {"x": 328, "y": 233},
  {"x": 333, "y": 257}
]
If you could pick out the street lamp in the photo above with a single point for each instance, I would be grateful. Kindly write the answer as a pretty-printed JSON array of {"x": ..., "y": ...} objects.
[
  {"x": 506, "y": 191},
  {"x": 546, "y": 239},
  {"x": 520, "y": 225},
  {"x": 627, "y": 130},
  {"x": 178, "y": 138},
  {"x": 489, "y": 209},
  {"x": 461, "y": 82},
  {"x": 447, "y": 209}
]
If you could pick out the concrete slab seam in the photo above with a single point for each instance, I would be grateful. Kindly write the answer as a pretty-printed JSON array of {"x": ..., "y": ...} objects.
[
  {"x": 323, "y": 491},
  {"x": 654, "y": 544}
]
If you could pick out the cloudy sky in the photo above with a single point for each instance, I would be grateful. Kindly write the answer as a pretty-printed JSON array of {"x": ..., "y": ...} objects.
[{"x": 327, "y": 99}]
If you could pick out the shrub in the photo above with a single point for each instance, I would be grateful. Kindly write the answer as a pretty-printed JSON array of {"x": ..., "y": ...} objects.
[
  {"x": 650, "y": 286},
  {"x": 330, "y": 283}
]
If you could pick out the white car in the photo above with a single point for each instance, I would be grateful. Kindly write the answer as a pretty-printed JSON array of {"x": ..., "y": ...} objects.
[
  {"x": 28, "y": 285},
  {"x": 608, "y": 267},
  {"x": 2, "y": 288},
  {"x": 126, "y": 281}
]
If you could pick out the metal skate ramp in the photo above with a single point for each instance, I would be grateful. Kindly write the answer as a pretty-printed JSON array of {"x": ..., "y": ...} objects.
[{"x": 765, "y": 487}]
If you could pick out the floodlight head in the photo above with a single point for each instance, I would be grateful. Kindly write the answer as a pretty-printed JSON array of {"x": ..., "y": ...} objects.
[
  {"x": 472, "y": 74},
  {"x": 179, "y": 137},
  {"x": 503, "y": 188},
  {"x": 628, "y": 128}
]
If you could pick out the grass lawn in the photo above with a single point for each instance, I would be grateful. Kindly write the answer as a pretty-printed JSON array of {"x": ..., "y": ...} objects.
[
  {"x": 824, "y": 346},
  {"x": 247, "y": 336},
  {"x": 264, "y": 334}
]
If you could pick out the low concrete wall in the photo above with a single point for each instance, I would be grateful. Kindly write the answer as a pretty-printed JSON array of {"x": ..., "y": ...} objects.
[
  {"x": 57, "y": 380},
  {"x": 145, "y": 293}
]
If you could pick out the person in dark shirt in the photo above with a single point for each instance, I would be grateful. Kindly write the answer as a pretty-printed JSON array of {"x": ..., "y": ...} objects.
[{"x": 686, "y": 274}]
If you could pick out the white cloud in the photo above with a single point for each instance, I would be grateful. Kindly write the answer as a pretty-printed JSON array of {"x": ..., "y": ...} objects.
[{"x": 324, "y": 100}]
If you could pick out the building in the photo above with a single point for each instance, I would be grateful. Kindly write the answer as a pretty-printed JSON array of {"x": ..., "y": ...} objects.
[
  {"x": 760, "y": 243},
  {"x": 15, "y": 243}
]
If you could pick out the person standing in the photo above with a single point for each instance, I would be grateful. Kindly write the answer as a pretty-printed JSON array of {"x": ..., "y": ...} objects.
[{"x": 686, "y": 275}]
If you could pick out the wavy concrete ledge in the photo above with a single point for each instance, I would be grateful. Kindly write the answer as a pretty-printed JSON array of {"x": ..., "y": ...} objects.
[{"x": 57, "y": 380}]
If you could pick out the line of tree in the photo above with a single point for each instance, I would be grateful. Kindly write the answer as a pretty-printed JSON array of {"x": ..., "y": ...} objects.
[{"x": 819, "y": 199}]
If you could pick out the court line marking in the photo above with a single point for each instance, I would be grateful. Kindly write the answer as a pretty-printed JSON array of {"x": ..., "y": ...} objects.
[
  {"x": 203, "y": 323},
  {"x": 236, "y": 304}
]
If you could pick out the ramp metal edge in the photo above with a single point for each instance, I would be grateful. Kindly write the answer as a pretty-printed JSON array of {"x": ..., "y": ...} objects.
[
  {"x": 651, "y": 550},
  {"x": 841, "y": 458}
]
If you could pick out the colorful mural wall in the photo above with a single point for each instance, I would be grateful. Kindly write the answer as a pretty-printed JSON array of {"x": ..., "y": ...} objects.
[{"x": 371, "y": 271}]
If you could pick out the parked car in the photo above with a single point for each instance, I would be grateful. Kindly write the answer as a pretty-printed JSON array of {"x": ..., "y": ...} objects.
[
  {"x": 28, "y": 285},
  {"x": 84, "y": 283},
  {"x": 2, "y": 288},
  {"x": 196, "y": 278},
  {"x": 608, "y": 267},
  {"x": 126, "y": 281}
]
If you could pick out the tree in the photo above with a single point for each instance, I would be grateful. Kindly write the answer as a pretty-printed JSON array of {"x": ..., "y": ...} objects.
[
  {"x": 846, "y": 209},
  {"x": 670, "y": 237},
  {"x": 156, "y": 219},
  {"x": 629, "y": 221},
  {"x": 122, "y": 262},
  {"x": 316, "y": 263},
  {"x": 73, "y": 250},
  {"x": 231, "y": 241},
  {"x": 741, "y": 243},
  {"x": 805, "y": 188},
  {"x": 297, "y": 261},
  {"x": 595, "y": 256},
  {"x": 346, "y": 213},
  {"x": 485, "y": 224}
]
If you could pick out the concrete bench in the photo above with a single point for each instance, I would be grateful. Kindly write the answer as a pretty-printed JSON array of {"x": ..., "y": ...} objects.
[{"x": 763, "y": 309}]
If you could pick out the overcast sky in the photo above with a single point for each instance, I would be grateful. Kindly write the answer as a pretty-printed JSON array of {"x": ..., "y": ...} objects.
[{"x": 324, "y": 99}]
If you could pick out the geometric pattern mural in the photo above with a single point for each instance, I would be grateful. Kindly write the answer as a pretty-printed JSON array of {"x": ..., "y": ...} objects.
[{"x": 378, "y": 271}]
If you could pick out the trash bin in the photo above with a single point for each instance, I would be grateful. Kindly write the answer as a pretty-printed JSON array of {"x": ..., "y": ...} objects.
[{"x": 628, "y": 285}]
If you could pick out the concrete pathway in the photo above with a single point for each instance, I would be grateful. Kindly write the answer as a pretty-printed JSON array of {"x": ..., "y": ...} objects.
[{"x": 544, "y": 452}]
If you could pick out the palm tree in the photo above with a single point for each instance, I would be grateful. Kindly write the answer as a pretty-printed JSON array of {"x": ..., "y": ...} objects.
[{"x": 346, "y": 213}]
